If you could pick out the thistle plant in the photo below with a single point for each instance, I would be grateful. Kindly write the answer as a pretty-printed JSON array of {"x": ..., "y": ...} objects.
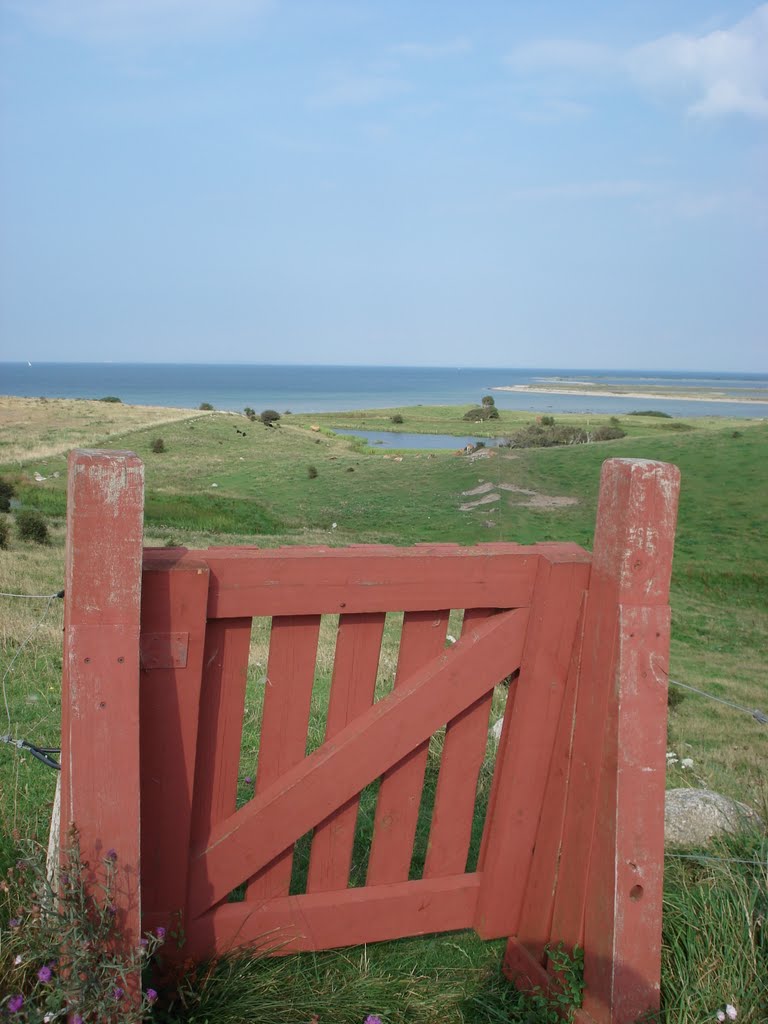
[{"x": 61, "y": 955}]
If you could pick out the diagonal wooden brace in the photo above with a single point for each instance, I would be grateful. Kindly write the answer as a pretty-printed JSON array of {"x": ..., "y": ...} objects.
[{"x": 306, "y": 794}]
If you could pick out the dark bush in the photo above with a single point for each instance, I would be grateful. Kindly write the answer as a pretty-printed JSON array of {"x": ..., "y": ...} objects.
[
  {"x": 488, "y": 400},
  {"x": 650, "y": 412},
  {"x": 736, "y": 433},
  {"x": 311, "y": 472},
  {"x": 547, "y": 421},
  {"x": 614, "y": 421},
  {"x": 7, "y": 491},
  {"x": 4, "y": 532},
  {"x": 250, "y": 413},
  {"x": 677, "y": 425},
  {"x": 31, "y": 525},
  {"x": 158, "y": 445},
  {"x": 608, "y": 433},
  {"x": 111, "y": 398},
  {"x": 538, "y": 436},
  {"x": 480, "y": 413},
  {"x": 397, "y": 418},
  {"x": 205, "y": 407},
  {"x": 269, "y": 417}
]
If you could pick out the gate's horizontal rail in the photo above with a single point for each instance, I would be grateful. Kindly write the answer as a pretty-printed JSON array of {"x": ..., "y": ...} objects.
[
  {"x": 305, "y": 581},
  {"x": 327, "y": 920}
]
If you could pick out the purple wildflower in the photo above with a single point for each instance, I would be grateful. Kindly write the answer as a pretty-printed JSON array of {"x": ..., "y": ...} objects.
[
  {"x": 151, "y": 995},
  {"x": 77, "y": 1019},
  {"x": 15, "y": 1003},
  {"x": 14, "y": 922},
  {"x": 160, "y": 933},
  {"x": 117, "y": 993},
  {"x": 112, "y": 908},
  {"x": 112, "y": 854},
  {"x": 144, "y": 943},
  {"x": 45, "y": 974},
  {"x": 372, "y": 1018},
  {"x": 248, "y": 779}
]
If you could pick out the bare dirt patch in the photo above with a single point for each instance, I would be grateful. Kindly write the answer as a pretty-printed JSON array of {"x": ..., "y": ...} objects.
[
  {"x": 486, "y": 499},
  {"x": 480, "y": 489}
]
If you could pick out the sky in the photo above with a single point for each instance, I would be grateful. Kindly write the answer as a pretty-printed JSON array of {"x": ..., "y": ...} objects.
[{"x": 503, "y": 183}]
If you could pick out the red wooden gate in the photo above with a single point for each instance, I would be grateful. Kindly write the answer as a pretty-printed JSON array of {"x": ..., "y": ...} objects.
[{"x": 572, "y": 847}]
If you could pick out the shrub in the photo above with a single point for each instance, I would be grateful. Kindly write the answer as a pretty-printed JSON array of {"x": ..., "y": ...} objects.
[
  {"x": 650, "y": 412},
  {"x": 158, "y": 445},
  {"x": 269, "y": 417},
  {"x": 111, "y": 398},
  {"x": 7, "y": 491},
  {"x": 311, "y": 472},
  {"x": 397, "y": 418},
  {"x": 205, "y": 407},
  {"x": 488, "y": 400},
  {"x": 614, "y": 421},
  {"x": 547, "y": 421},
  {"x": 608, "y": 433},
  {"x": 31, "y": 525},
  {"x": 4, "y": 533},
  {"x": 539, "y": 436},
  {"x": 480, "y": 413},
  {"x": 250, "y": 413}
]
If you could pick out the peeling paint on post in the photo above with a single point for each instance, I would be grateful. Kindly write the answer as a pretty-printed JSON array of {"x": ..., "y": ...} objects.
[{"x": 100, "y": 683}]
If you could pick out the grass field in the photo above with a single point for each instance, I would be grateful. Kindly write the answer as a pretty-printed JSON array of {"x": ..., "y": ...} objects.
[{"x": 266, "y": 493}]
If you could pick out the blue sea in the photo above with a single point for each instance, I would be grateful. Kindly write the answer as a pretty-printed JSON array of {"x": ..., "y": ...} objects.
[{"x": 333, "y": 388}]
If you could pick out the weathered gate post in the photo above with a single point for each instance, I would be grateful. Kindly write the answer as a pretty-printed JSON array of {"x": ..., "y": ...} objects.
[
  {"x": 608, "y": 894},
  {"x": 100, "y": 684}
]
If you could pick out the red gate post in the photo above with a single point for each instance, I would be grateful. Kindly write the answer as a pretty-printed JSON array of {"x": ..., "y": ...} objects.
[
  {"x": 609, "y": 883},
  {"x": 100, "y": 680}
]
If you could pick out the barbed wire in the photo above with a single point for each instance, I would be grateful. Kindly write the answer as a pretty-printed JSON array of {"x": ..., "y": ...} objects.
[{"x": 756, "y": 713}]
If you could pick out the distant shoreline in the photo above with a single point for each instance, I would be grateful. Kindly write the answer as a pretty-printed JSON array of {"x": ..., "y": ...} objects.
[{"x": 593, "y": 392}]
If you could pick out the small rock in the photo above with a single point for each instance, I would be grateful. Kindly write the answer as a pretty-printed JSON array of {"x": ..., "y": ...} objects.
[
  {"x": 214, "y": 485},
  {"x": 314, "y": 427},
  {"x": 694, "y": 816}
]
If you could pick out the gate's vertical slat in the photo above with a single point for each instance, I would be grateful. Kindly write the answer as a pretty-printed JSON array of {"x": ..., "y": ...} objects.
[
  {"x": 222, "y": 701},
  {"x": 534, "y": 931},
  {"x": 173, "y": 610},
  {"x": 529, "y": 741},
  {"x": 466, "y": 738},
  {"x": 354, "y": 681},
  {"x": 284, "y": 726},
  {"x": 397, "y": 807},
  {"x": 498, "y": 771}
]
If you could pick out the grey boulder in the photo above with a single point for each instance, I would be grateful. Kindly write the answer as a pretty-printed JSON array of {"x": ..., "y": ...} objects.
[{"x": 694, "y": 816}]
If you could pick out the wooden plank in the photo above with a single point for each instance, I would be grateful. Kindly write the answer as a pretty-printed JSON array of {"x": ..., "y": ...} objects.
[
  {"x": 535, "y": 928},
  {"x": 409, "y": 579},
  {"x": 466, "y": 739},
  {"x": 284, "y": 725},
  {"x": 634, "y": 538},
  {"x": 100, "y": 681},
  {"x": 397, "y": 806},
  {"x": 360, "y": 753},
  {"x": 343, "y": 918},
  {"x": 220, "y": 730},
  {"x": 173, "y": 602},
  {"x": 358, "y": 644},
  {"x": 622, "y": 939},
  {"x": 529, "y": 741}
]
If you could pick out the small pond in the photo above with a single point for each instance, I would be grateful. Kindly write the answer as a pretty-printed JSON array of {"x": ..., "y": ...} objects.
[{"x": 390, "y": 439}]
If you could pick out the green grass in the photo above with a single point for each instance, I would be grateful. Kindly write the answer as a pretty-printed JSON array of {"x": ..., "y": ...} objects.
[{"x": 714, "y": 948}]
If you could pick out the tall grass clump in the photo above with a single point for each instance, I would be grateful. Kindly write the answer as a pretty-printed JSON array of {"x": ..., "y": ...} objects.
[
  {"x": 31, "y": 526},
  {"x": 715, "y": 932}
]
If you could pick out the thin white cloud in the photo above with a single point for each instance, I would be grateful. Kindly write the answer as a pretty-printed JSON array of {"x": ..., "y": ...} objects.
[
  {"x": 433, "y": 51},
  {"x": 359, "y": 90},
  {"x": 721, "y": 72},
  {"x": 619, "y": 189},
  {"x": 114, "y": 21}
]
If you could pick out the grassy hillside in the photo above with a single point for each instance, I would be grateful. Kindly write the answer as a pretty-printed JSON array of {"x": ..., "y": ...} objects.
[{"x": 290, "y": 485}]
